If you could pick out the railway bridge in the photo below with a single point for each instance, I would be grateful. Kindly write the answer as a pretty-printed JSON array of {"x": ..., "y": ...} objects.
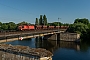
[{"x": 46, "y": 34}]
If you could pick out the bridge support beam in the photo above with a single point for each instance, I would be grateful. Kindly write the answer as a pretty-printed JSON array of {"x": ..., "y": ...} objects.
[{"x": 51, "y": 37}]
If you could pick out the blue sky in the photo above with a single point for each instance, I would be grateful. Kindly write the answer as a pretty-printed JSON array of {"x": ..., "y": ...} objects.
[{"x": 27, "y": 10}]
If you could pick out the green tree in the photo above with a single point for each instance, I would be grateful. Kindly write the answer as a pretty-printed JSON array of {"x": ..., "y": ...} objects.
[
  {"x": 89, "y": 25},
  {"x": 86, "y": 35},
  {"x": 36, "y": 22},
  {"x": 23, "y": 23},
  {"x": 12, "y": 26},
  {"x": 78, "y": 28},
  {"x": 57, "y": 23},
  {"x": 0, "y": 25},
  {"x": 40, "y": 20},
  {"x": 50, "y": 24},
  {"x": 84, "y": 20},
  {"x": 44, "y": 20},
  {"x": 66, "y": 24},
  {"x": 4, "y": 26}
]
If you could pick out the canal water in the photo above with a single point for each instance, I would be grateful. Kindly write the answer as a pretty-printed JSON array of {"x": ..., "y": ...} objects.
[{"x": 61, "y": 50}]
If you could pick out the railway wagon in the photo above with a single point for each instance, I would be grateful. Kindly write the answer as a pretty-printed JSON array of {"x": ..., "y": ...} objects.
[
  {"x": 51, "y": 27},
  {"x": 57, "y": 27},
  {"x": 45, "y": 27},
  {"x": 26, "y": 27},
  {"x": 38, "y": 27},
  {"x": 64, "y": 27}
]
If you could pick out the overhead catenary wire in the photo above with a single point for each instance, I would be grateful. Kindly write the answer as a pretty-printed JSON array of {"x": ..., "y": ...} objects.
[{"x": 15, "y": 9}]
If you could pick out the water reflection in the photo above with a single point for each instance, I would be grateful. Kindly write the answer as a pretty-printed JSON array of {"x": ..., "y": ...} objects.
[
  {"x": 38, "y": 42},
  {"x": 84, "y": 46},
  {"x": 54, "y": 45}
]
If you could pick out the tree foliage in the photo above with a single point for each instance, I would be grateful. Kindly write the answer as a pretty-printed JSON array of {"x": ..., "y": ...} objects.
[
  {"x": 89, "y": 25},
  {"x": 4, "y": 26},
  {"x": 65, "y": 24},
  {"x": 36, "y": 22},
  {"x": 12, "y": 26},
  {"x": 84, "y": 20},
  {"x": 78, "y": 28},
  {"x": 44, "y": 20},
  {"x": 41, "y": 20},
  {"x": 23, "y": 23},
  {"x": 81, "y": 26},
  {"x": 86, "y": 35},
  {"x": 0, "y": 25}
]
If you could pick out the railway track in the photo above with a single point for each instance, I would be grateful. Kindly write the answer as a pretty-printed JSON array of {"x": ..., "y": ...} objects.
[{"x": 3, "y": 34}]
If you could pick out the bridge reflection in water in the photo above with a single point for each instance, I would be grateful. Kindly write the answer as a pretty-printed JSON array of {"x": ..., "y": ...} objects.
[{"x": 54, "y": 45}]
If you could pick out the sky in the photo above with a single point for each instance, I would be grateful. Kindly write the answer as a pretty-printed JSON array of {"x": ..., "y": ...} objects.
[{"x": 28, "y": 10}]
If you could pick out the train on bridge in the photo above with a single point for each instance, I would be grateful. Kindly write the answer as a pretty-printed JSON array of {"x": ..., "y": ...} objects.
[
  {"x": 39, "y": 27},
  {"x": 34, "y": 27}
]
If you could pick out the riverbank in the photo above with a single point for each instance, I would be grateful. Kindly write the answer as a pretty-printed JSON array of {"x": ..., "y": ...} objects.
[{"x": 26, "y": 51}]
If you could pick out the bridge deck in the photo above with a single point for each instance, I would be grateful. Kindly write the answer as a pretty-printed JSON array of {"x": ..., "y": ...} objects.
[
  {"x": 12, "y": 36},
  {"x": 31, "y": 34}
]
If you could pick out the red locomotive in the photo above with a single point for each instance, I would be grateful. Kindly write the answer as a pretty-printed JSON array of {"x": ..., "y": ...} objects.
[
  {"x": 39, "y": 27},
  {"x": 26, "y": 27}
]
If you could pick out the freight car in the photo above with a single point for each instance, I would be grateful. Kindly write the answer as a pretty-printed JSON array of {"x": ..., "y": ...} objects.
[
  {"x": 44, "y": 27},
  {"x": 57, "y": 27},
  {"x": 51, "y": 27},
  {"x": 64, "y": 27},
  {"x": 38, "y": 27}
]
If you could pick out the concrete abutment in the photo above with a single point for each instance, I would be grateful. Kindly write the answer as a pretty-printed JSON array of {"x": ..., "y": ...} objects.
[{"x": 63, "y": 36}]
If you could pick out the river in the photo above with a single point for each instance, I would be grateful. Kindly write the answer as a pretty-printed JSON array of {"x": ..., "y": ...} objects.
[{"x": 61, "y": 50}]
